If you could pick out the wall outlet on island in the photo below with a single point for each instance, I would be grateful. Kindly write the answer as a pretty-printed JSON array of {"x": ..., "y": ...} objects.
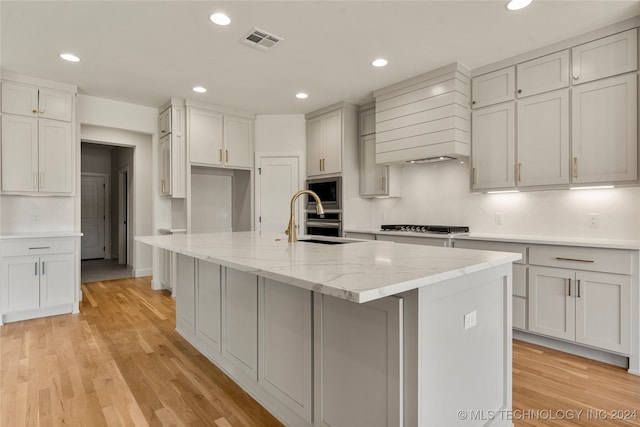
[
  {"x": 592, "y": 220},
  {"x": 470, "y": 320},
  {"x": 499, "y": 218}
]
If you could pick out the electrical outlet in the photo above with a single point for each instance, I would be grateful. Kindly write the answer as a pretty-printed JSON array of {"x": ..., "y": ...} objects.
[
  {"x": 499, "y": 218},
  {"x": 592, "y": 220},
  {"x": 470, "y": 320}
]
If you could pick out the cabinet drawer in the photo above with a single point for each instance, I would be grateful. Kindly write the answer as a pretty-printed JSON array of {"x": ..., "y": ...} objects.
[
  {"x": 20, "y": 247},
  {"x": 577, "y": 258},
  {"x": 520, "y": 313},
  {"x": 494, "y": 246}
]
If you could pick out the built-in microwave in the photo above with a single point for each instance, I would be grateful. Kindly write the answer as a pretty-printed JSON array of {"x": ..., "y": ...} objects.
[{"x": 328, "y": 189}]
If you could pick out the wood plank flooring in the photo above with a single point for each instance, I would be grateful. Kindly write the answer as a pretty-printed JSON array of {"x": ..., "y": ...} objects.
[{"x": 121, "y": 363}]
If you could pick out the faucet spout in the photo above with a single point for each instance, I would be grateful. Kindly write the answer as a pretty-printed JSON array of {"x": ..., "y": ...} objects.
[{"x": 291, "y": 229}]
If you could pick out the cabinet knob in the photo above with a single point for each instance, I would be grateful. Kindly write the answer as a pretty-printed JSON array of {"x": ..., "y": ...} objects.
[
  {"x": 473, "y": 102},
  {"x": 519, "y": 90},
  {"x": 41, "y": 111},
  {"x": 576, "y": 77},
  {"x": 34, "y": 111}
]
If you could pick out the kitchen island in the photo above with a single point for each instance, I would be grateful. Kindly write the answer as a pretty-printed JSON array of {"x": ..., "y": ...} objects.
[{"x": 364, "y": 333}]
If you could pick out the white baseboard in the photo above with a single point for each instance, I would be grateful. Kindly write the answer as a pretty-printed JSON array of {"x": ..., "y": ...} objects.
[{"x": 142, "y": 272}]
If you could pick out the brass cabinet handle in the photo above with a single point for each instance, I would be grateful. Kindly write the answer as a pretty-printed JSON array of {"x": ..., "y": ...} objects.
[
  {"x": 34, "y": 111},
  {"x": 384, "y": 183},
  {"x": 35, "y": 180},
  {"x": 575, "y": 167},
  {"x": 573, "y": 259},
  {"x": 578, "y": 285},
  {"x": 569, "y": 287},
  {"x": 226, "y": 155},
  {"x": 35, "y": 269},
  {"x": 576, "y": 77},
  {"x": 220, "y": 155},
  {"x": 519, "y": 172},
  {"x": 41, "y": 111},
  {"x": 162, "y": 185}
]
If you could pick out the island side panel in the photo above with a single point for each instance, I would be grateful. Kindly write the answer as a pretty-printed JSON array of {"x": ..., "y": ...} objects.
[{"x": 465, "y": 370}]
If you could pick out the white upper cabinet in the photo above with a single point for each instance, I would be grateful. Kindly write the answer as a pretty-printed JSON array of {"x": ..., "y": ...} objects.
[
  {"x": 493, "y": 88},
  {"x": 543, "y": 74},
  {"x": 238, "y": 141},
  {"x": 204, "y": 133},
  {"x": 608, "y": 56},
  {"x": 164, "y": 122},
  {"x": 543, "y": 139},
  {"x": 172, "y": 152},
  {"x": 36, "y": 102},
  {"x": 604, "y": 130},
  {"x": 219, "y": 140},
  {"x": 493, "y": 152},
  {"x": 324, "y": 144}
]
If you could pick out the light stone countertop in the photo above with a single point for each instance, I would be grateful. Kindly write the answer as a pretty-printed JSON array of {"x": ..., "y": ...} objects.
[
  {"x": 359, "y": 272},
  {"x": 519, "y": 238}
]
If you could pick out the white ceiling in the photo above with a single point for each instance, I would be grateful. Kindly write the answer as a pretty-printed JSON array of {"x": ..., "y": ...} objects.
[{"x": 147, "y": 51}]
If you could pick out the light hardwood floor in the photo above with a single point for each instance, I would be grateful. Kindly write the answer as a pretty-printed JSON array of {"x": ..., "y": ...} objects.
[{"x": 121, "y": 363}]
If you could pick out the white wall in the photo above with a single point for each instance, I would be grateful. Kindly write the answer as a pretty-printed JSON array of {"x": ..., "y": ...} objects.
[
  {"x": 119, "y": 123},
  {"x": 439, "y": 194},
  {"x": 280, "y": 133}
]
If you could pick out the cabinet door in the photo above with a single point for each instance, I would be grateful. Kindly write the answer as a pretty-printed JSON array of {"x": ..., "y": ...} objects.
[
  {"x": 19, "y": 283},
  {"x": 208, "y": 309},
  {"x": 373, "y": 177},
  {"x": 56, "y": 280},
  {"x": 314, "y": 146},
  {"x": 368, "y": 122},
  {"x": 164, "y": 122},
  {"x": 185, "y": 295},
  {"x": 238, "y": 142},
  {"x": 493, "y": 147},
  {"x": 363, "y": 340},
  {"x": 543, "y": 74},
  {"x": 552, "y": 302},
  {"x": 603, "y": 311},
  {"x": 164, "y": 154},
  {"x": 19, "y": 154},
  {"x": 204, "y": 135},
  {"x": 178, "y": 161},
  {"x": 285, "y": 343},
  {"x": 493, "y": 88},
  {"x": 604, "y": 130},
  {"x": 332, "y": 147},
  {"x": 55, "y": 105},
  {"x": 543, "y": 139},
  {"x": 605, "y": 57},
  {"x": 240, "y": 321},
  {"x": 19, "y": 99},
  {"x": 55, "y": 156}
]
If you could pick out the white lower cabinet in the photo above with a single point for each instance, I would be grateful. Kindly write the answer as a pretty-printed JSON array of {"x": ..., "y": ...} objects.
[
  {"x": 37, "y": 278},
  {"x": 240, "y": 321},
  {"x": 358, "y": 359},
  {"x": 209, "y": 304},
  {"x": 285, "y": 345},
  {"x": 185, "y": 295}
]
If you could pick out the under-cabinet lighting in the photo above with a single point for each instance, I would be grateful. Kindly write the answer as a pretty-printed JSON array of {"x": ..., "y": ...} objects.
[
  {"x": 199, "y": 89},
  {"x": 518, "y": 4},
  {"x": 503, "y": 191},
  {"x": 597, "y": 187},
  {"x": 69, "y": 57},
  {"x": 220, "y": 19}
]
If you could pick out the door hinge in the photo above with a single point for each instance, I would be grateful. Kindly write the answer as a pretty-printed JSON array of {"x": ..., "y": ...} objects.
[
  {"x": 259, "y": 171},
  {"x": 104, "y": 185},
  {"x": 259, "y": 219},
  {"x": 104, "y": 248}
]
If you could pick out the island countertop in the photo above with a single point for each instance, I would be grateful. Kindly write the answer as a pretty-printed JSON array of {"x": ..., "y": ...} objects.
[{"x": 359, "y": 272}]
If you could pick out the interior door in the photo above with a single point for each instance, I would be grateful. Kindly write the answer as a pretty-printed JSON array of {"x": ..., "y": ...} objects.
[
  {"x": 277, "y": 182},
  {"x": 92, "y": 217}
]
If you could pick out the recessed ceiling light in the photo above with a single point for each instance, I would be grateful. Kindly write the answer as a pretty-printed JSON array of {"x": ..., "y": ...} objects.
[
  {"x": 518, "y": 4},
  {"x": 380, "y": 62},
  {"x": 69, "y": 57},
  {"x": 220, "y": 19},
  {"x": 199, "y": 89},
  {"x": 301, "y": 95}
]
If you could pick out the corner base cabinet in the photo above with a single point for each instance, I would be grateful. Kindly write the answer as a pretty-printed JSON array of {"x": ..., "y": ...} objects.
[{"x": 38, "y": 277}]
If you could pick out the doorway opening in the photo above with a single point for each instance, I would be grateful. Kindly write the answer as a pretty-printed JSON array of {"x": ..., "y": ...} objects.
[{"x": 106, "y": 174}]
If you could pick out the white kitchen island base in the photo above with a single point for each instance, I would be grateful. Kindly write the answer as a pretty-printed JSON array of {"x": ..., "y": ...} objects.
[{"x": 437, "y": 353}]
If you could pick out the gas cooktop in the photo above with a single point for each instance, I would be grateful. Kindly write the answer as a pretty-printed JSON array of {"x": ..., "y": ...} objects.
[{"x": 436, "y": 229}]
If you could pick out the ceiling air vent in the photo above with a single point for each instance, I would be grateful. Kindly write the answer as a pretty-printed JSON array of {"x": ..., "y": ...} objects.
[{"x": 261, "y": 39}]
